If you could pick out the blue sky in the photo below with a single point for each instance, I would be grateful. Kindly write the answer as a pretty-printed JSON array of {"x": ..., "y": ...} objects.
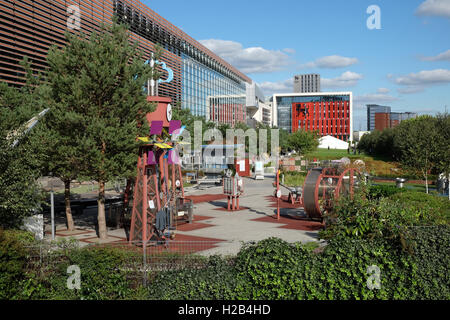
[{"x": 405, "y": 64}]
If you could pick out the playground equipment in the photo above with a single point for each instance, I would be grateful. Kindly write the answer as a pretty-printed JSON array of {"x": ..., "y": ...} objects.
[
  {"x": 158, "y": 195},
  {"x": 233, "y": 187},
  {"x": 158, "y": 201},
  {"x": 322, "y": 188}
]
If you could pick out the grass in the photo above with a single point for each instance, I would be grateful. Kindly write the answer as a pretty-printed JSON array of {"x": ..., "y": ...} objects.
[
  {"x": 294, "y": 179},
  {"x": 332, "y": 154},
  {"x": 410, "y": 186},
  {"x": 375, "y": 165}
]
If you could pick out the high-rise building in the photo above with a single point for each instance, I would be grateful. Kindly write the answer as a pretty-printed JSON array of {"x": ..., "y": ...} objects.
[
  {"x": 384, "y": 120},
  {"x": 372, "y": 109},
  {"x": 328, "y": 113},
  {"x": 203, "y": 82},
  {"x": 304, "y": 83}
]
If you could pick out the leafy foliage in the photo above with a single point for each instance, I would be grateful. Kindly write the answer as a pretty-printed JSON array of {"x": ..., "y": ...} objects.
[
  {"x": 99, "y": 107},
  {"x": 216, "y": 280},
  {"x": 421, "y": 145},
  {"x": 20, "y": 164},
  {"x": 303, "y": 141},
  {"x": 379, "y": 191},
  {"x": 13, "y": 257}
]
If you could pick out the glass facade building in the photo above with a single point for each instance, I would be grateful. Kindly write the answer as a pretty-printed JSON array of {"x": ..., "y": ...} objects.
[
  {"x": 202, "y": 80},
  {"x": 372, "y": 109},
  {"x": 210, "y": 94},
  {"x": 327, "y": 113}
]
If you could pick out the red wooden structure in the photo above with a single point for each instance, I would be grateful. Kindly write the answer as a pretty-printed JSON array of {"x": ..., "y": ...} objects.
[{"x": 158, "y": 195}]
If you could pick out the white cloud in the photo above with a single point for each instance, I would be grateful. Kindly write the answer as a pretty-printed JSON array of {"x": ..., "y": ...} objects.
[
  {"x": 383, "y": 90},
  {"x": 410, "y": 89},
  {"x": 374, "y": 98},
  {"x": 434, "y": 8},
  {"x": 426, "y": 77},
  {"x": 248, "y": 60},
  {"x": 347, "y": 79},
  {"x": 331, "y": 62},
  {"x": 269, "y": 88},
  {"x": 444, "y": 56}
]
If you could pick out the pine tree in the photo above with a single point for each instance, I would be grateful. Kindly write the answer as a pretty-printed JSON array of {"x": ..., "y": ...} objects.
[{"x": 97, "y": 84}]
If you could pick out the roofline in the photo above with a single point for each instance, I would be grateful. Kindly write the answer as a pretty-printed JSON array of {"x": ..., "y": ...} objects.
[
  {"x": 312, "y": 94},
  {"x": 172, "y": 27}
]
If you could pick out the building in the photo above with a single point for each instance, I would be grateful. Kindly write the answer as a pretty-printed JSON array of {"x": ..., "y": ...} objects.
[
  {"x": 386, "y": 120},
  {"x": 304, "y": 83},
  {"x": 257, "y": 109},
  {"x": 203, "y": 82},
  {"x": 371, "y": 110},
  {"x": 382, "y": 121},
  {"x": 328, "y": 113}
]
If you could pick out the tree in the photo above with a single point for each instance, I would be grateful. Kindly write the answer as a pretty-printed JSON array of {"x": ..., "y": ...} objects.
[
  {"x": 443, "y": 151},
  {"x": 416, "y": 144},
  {"x": 303, "y": 141},
  {"x": 61, "y": 133},
  {"x": 20, "y": 195},
  {"x": 100, "y": 81}
]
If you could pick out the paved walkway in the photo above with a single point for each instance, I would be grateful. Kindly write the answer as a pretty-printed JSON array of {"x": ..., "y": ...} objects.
[{"x": 216, "y": 230}]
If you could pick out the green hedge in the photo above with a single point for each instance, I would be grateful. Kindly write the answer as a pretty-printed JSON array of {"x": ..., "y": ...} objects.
[
  {"x": 216, "y": 280},
  {"x": 269, "y": 269},
  {"x": 379, "y": 191},
  {"x": 13, "y": 258}
]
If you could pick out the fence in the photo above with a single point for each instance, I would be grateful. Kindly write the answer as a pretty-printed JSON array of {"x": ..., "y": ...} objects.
[{"x": 142, "y": 259}]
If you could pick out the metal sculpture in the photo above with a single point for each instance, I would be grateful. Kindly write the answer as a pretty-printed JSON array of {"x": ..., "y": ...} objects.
[
  {"x": 322, "y": 188},
  {"x": 233, "y": 188},
  {"x": 158, "y": 197}
]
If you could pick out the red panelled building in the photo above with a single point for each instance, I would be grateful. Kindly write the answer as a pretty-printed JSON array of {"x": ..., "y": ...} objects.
[{"x": 328, "y": 113}]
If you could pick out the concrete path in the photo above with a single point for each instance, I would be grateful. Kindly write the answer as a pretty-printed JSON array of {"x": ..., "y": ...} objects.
[{"x": 220, "y": 231}]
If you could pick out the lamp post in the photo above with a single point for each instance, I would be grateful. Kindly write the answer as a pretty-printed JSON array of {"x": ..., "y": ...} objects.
[{"x": 52, "y": 209}]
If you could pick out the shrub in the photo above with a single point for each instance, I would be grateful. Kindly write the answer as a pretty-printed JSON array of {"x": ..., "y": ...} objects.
[
  {"x": 103, "y": 274},
  {"x": 430, "y": 249},
  {"x": 275, "y": 269},
  {"x": 423, "y": 209},
  {"x": 13, "y": 258},
  {"x": 216, "y": 280},
  {"x": 379, "y": 191}
]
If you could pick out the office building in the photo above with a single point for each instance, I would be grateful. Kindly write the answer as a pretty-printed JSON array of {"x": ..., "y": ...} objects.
[
  {"x": 328, "y": 113},
  {"x": 372, "y": 109},
  {"x": 385, "y": 120},
  {"x": 203, "y": 82},
  {"x": 304, "y": 83}
]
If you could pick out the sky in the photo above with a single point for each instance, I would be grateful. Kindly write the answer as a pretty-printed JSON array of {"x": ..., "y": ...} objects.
[{"x": 399, "y": 58}]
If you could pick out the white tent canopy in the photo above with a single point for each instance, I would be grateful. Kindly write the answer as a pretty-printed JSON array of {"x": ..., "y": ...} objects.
[{"x": 333, "y": 143}]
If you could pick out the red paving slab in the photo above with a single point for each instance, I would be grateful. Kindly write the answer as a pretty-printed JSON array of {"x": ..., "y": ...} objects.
[
  {"x": 284, "y": 203},
  {"x": 206, "y": 198},
  {"x": 292, "y": 223},
  {"x": 185, "y": 244},
  {"x": 193, "y": 226}
]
